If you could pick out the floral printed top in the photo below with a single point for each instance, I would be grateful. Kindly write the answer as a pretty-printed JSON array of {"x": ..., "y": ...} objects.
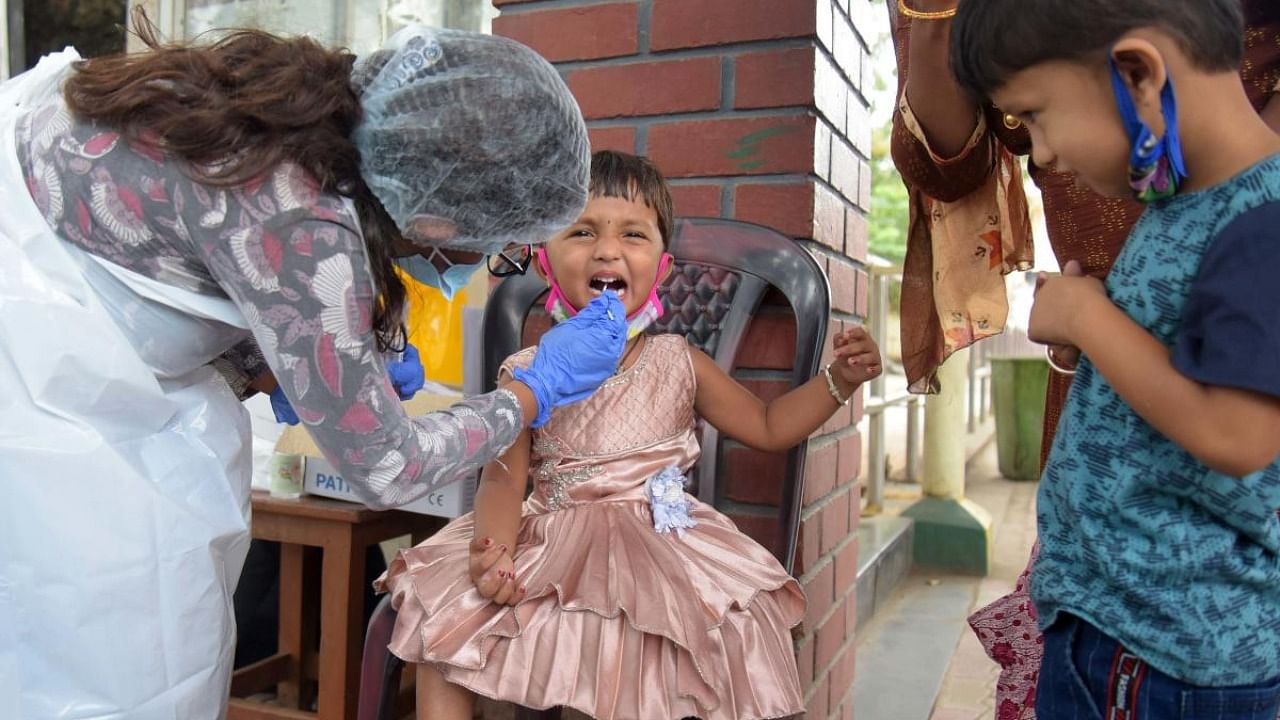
[{"x": 293, "y": 260}]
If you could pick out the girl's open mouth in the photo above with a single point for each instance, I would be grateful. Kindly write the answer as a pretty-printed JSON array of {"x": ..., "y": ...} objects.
[{"x": 608, "y": 281}]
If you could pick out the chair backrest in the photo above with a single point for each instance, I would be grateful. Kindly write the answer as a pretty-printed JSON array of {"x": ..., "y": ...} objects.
[{"x": 723, "y": 270}]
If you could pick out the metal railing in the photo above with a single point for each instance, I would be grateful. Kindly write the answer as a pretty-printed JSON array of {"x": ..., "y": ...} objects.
[
  {"x": 883, "y": 275},
  {"x": 979, "y": 390}
]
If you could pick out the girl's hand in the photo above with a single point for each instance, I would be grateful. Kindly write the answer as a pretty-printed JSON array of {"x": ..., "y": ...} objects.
[
  {"x": 857, "y": 357},
  {"x": 1061, "y": 304},
  {"x": 493, "y": 572}
]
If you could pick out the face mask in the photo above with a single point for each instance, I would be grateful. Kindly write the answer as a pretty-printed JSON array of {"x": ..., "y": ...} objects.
[
  {"x": 449, "y": 282},
  {"x": 560, "y": 309},
  {"x": 1156, "y": 167}
]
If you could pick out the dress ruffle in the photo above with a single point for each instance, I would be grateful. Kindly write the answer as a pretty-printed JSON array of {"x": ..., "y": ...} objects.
[{"x": 619, "y": 621}]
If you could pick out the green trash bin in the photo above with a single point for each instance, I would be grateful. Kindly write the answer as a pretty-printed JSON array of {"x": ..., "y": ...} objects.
[{"x": 1018, "y": 387}]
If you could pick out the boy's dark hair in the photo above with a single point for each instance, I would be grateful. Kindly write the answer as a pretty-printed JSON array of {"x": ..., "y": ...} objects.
[
  {"x": 991, "y": 40},
  {"x": 632, "y": 177}
]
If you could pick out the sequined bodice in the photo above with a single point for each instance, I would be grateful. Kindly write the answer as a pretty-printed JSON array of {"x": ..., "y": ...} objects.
[{"x": 636, "y": 424}]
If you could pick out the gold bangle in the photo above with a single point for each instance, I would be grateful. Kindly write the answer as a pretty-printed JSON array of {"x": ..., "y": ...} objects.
[{"x": 917, "y": 15}]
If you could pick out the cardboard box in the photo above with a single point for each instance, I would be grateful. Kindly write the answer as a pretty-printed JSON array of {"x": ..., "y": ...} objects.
[
  {"x": 320, "y": 478},
  {"x": 450, "y": 501}
]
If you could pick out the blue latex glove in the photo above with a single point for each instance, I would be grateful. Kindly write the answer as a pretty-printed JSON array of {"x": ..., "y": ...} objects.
[
  {"x": 281, "y": 407},
  {"x": 576, "y": 355},
  {"x": 407, "y": 374}
]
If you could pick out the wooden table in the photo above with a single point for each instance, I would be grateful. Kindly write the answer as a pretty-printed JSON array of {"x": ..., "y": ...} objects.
[{"x": 342, "y": 531}]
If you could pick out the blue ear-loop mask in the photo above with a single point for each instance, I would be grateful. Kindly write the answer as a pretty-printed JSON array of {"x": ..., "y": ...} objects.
[
  {"x": 1156, "y": 167},
  {"x": 449, "y": 282}
]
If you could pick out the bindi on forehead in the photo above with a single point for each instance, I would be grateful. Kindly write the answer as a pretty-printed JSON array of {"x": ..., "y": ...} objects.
[{"x": 616, "y": 215}]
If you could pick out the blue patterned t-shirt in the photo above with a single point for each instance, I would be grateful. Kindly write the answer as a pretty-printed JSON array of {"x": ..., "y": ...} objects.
[{"x": 1179, "y": 563}]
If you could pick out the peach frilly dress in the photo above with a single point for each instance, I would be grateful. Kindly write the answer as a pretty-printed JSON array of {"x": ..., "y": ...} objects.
[{"x": 620, "y": 621}]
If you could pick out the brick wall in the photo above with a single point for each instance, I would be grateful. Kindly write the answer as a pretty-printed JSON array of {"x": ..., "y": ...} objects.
[{"x": 752, "y": 109}]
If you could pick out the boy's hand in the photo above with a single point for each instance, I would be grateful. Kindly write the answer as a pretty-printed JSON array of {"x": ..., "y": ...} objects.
[
  {"x": 1062, "y": 303},
  {"x": 493, "y": 572},
  {"x": 1065, "y": 356},
  {"x": 857, "y": 358}
]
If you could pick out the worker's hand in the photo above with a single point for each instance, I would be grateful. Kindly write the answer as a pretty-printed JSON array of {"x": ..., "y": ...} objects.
[
  {"x": 281, "y": 407},
  {"x": 407, "y": 375},
  {"x": 576, "y": 355}
]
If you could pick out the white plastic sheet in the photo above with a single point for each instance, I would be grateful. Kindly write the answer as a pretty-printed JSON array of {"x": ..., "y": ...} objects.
[{"x": 124, "y": 473}]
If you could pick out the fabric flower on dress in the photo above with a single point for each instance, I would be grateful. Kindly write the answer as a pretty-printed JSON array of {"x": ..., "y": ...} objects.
[{"x": 668, "y": 500}]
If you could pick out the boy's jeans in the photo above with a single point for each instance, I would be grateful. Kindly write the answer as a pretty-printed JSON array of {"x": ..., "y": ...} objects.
[{"x": 1087, "y": 675}]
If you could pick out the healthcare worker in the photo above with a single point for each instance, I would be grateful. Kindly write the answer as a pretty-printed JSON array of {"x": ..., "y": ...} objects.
[{"x": 240, "y": 203}]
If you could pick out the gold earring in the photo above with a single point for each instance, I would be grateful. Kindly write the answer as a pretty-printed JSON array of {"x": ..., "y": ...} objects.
[{"x": 1012, "y": 122}]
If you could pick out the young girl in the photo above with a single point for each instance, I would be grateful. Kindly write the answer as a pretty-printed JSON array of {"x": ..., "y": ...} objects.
[{"x": 610, "y": 590}]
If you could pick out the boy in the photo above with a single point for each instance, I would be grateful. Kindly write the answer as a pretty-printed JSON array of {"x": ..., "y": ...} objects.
[{"x": 1158, "y": 583}]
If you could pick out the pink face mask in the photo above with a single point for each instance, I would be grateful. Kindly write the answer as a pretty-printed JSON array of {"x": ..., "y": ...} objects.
[{"x": 559, "y": 307}]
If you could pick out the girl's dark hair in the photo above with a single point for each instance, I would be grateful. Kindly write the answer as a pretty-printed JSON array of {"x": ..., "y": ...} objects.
[
  {"x": 991, "y": 40},
  {"x": 632, "y": 177},
  {"x": 236, "y": 108}
]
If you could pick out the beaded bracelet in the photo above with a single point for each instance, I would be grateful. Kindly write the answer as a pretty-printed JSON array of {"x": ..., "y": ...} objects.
[{"x": 831, "y": 387}]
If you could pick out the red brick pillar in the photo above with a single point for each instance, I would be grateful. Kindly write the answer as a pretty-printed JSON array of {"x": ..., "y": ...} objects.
[{"x": 753, "y": 109}]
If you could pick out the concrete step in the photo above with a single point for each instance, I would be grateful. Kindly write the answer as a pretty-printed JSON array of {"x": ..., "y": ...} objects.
[
  {"x": 905, "y": 650},
  {"x": 884, "y": 559},
  {"x": 903, "y": 654}
]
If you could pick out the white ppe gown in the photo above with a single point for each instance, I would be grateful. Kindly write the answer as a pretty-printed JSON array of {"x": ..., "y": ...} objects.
[{"x": 124, "y": 473}]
